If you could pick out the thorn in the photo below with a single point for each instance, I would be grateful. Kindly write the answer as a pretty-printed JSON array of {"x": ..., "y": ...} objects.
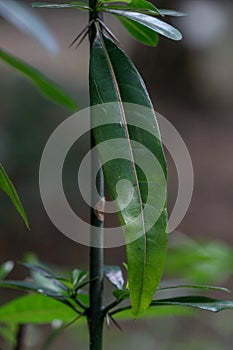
[
  {"x": 109, "y": 32},
  {"x": 74, "y": 320},
  {"x": 116, "y": 324},
  {"x": 84, "y": 31}
]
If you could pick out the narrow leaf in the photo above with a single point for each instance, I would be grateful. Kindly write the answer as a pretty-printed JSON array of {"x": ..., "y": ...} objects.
[
  {"x": 196, "y": 286},
  {"x": 75, "y": 4},
  {"x": 78, "y": 276},
  {"x": 171, "y": 13},
  {"x": 114, "y": 275},
  {"x": 36, "y": 309},
  {"x": 46, "y": 86},
  {"x": 121, "y": 294},
  {"x": 113, "y": 78},
  {"x": 150, "y": 22},
  {"x": 7, "y": 186},
  {"x": 26, "y": 20},
  {"x": 197, "y": 302}
]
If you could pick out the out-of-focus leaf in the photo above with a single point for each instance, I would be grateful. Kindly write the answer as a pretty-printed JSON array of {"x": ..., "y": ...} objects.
[
  {"x": 140, "y": 32},
  {"x": 197, "y": 302},
  {"x": 46, "y": 86},
  {"x": 150, "y": 22},
  {"x": 21, "y": 285},
  {"x": 48, "y": 275},
  {"x": 195, "y": 286},
  {"x": 7, "y": 186},
  {"x": 8, "y": 332},
  {"x": 113, "y": 78},
  {"x": 6, "y": 268},
  {"x": 26, "y": 20},
  {"x": 141, "y": 6},
  {"x": 199, "y": 263},
  {"x": 36, "y": 309},
  {"x": 114, "y": 275},
  {"x": 75, "y": 4}
]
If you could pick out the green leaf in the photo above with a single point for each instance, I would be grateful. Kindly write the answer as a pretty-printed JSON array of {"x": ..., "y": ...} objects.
[
  {"x": 140, "y": 32},
  {"x": 121, "y": 294},
  {"x": 150, "y": 22},
  {"x": 6, "y": 268},
  {"x": 26, "y": 20},
  {"x": 75, "y": 4},
  {"x": 46, "y": 86},
  {"x": 114, "y": 275},
  {"x": 7, "y": 186},
  {"x": 140, "y": 6},
  {"x": 197, "y": 302},
  {"x": 171, "y": 13},
  {"x": 36, "y": 309},
  {"x": 78, "y": 276},
  {"x": 113, "y": 78},
  {"x": 9, "y": 332},
  {"x": 196, "y": 286}
]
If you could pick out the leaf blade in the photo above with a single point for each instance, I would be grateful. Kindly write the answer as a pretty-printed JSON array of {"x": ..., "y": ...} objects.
[
  {"x": 7, "y": 186},
  {"x": 114, "y": 78},
  {"x": 46, "y": 86}
]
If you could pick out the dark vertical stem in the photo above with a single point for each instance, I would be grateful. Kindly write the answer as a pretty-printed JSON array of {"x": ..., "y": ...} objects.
[
  {"x": 19, "y": 337},
  {"x": 95, "y": 313}
]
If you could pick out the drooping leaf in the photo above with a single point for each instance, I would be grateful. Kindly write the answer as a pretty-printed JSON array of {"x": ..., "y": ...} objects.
[
  {"x": 7, "y": 186},
  {"x": 26, "y": 20},
  {"x": 74, "y": 4},
  {"x": 46, "y": 86},
  {"x": 140, "y": 32},
  {"x": 36, "y": 309},
  {"x": 150, "y": 22},
  {"x": 113, "y": 78},
  {"x": 197, "y": 302},
  {"x": 114, "y": 275},
  {"x": 6, "y": 268}
]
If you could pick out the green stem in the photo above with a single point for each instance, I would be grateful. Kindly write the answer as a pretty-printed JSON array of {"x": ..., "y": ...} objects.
[{"x": 95, "y": 311}]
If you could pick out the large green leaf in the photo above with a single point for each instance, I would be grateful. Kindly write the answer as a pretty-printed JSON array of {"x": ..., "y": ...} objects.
[
  {"x": 35, "y": 309},
  {"x": 46, "y": 86},
  {"x": 26, "y": 20},
  {"x": 150, "y": 22},
  {"x": 197, "y": 302},
  {"x": 113, "y": 78},
  {"x": 7, "y": 186}
]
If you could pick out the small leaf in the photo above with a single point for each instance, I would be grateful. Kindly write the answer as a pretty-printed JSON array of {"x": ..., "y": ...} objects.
[
  {"x": 36, "y": 309},
  {"x": 140, "y": 6},
  {"x": 74, "y": 4},
  {"x": 150, "y": 22},
  {"x": 26, "y": 20},
  {"x": 7, "y": 186},
  {"x": 5, "y": 269},
  {"x": 114, "y": 275},
  {"x": 140, "y": 32},
  {"x": 46, "y": 86},
  {"x": 196, "y": 286},
  {"x": 78, "y": 276},
  {"x": 121, "y": 294}
]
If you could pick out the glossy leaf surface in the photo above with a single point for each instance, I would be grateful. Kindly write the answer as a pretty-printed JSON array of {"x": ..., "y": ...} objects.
[
  {"x": 150, "y": 22},
  {"x": 7, "y": 186},
  {"x": 46, "y": 86},
  {"x": 113, "y": 78},
  {"x": 26, "y": 20},
  {"x": 114, "y": 275},
  {"x": 140, "y": 32}
]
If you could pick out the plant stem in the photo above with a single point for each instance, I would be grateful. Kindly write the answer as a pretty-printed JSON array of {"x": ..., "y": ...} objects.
[{"x": 95, "y": 312}]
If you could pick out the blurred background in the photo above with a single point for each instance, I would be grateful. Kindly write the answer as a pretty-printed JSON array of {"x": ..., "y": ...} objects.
[{"x": 191, "y": 84}]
